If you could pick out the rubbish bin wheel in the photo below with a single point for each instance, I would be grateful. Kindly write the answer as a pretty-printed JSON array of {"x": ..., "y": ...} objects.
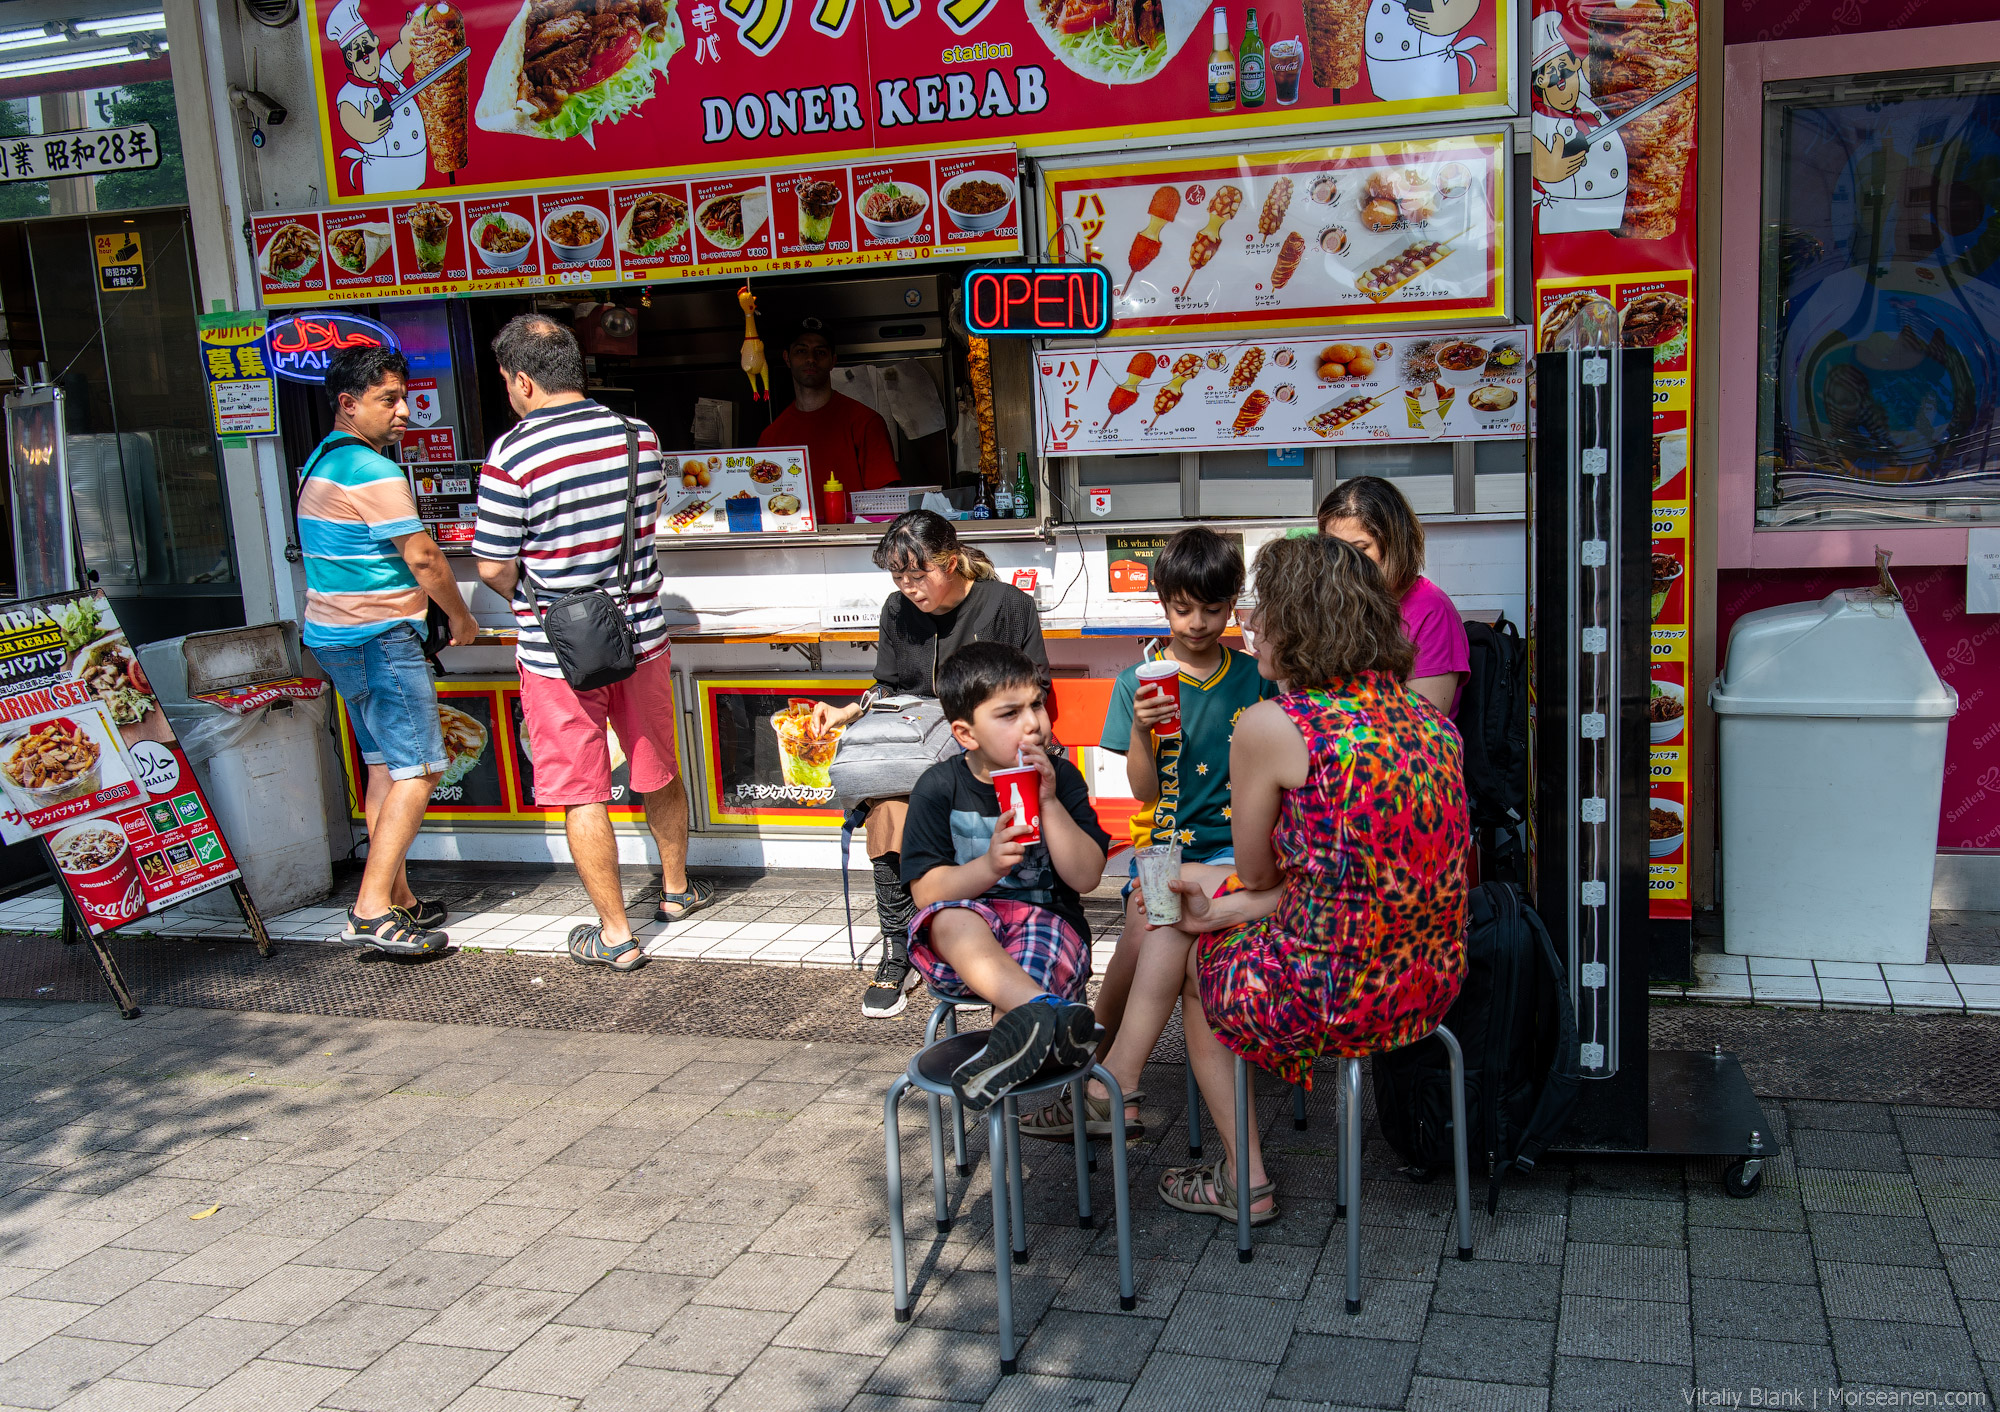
[{"x": 1740, "y": 1183}]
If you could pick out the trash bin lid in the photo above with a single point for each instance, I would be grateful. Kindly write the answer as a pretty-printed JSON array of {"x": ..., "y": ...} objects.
[{"x": 1853, "y": 653}]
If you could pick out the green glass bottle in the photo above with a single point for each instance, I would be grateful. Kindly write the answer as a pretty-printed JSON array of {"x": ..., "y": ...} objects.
[
  {"x": 1250, "y": 64},
  {"x": 1024, "y": 489}
]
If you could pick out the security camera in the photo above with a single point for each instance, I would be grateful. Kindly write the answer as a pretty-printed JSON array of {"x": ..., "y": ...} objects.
[{"x": 263, "y": 109}]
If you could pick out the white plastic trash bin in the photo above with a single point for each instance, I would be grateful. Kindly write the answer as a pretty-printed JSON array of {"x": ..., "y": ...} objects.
[{"x": 1832, "y": 725}]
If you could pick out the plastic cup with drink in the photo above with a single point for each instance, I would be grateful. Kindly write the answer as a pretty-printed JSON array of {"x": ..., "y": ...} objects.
[
  {"x": 1159, "y": 864},
  {"x": 1020, "y": 790},
  {"x": 1285, "y": 59},
  {"x": 1166, "y": 676}
]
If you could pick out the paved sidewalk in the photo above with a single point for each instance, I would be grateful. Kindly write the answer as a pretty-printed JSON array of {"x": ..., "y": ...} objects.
[{"x": 217, "y": 1209}]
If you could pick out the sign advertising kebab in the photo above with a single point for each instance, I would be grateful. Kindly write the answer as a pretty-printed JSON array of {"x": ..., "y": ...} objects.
[
  {"x": 1613, "y": 168},
  {"x": 497, "y": 95},
  {"x": 89, "y": 765}
]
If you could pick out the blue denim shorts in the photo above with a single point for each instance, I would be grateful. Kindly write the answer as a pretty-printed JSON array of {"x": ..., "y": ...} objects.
[
  {"x": 1224, "y": 857},
  {"x": 391, "y": 702}
]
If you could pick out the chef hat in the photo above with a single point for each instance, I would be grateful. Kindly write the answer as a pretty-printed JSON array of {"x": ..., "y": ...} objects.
[
  {"x": 1545, "y": 41},
  {"x": 344, "y": 25}
]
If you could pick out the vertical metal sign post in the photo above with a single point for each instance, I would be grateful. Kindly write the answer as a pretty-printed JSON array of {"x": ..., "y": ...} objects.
[{"x": 1590, "y": 510}]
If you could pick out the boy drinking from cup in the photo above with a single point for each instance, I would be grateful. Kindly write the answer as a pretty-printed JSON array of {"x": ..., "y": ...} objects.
[
  {"x": 1000, "y": 917},
  {"x": 1176, "y": 748}
]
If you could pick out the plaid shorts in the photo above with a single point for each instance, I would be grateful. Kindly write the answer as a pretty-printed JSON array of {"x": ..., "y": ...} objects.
[{"x": 1049, "y": 949}]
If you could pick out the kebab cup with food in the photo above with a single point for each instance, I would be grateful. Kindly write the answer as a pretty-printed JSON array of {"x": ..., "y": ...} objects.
[{"x": 430, "y": 234}]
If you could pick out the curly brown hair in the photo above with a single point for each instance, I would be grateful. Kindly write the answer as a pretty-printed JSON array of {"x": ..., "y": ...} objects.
[
  {"x": 1325, "y": 613},
  {"x": 1380, "y": 509}
]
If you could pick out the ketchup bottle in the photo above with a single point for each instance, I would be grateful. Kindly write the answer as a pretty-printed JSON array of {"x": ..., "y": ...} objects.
[{"x": 833, "y": 502}]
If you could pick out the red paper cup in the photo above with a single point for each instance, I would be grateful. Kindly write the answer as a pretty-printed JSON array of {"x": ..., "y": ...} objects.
[
  {"x": 1020, "y": 788},
  {"x": 102, "y": 875},
  {"x": 1167, "y": 677}
]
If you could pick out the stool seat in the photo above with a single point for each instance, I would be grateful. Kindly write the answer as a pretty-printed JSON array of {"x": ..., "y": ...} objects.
[{"x": 932, "y": 1066}]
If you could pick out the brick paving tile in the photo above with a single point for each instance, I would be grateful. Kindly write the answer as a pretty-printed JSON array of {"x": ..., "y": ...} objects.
[
  {"x": 349, "y": 1335},
  {"x": 1596, "y": 1385},
  {"x": 1643, "y": 1331},
  {"x": 427, "y": 1279},
  {"x": 124, "y": 1395},
  {"x": 203, "y": 1352},
  {"x": 1452, "y": 1395},
  {"x": 25, "y": 1322},
  {"x": 490, "y": 1316},
  {"x": 57, "y": 1368},
  {"x": 1356, "y": 1372},
  {"x": 292, "y": 1294},
  {"x": 1907, "y": 1355},
  {"x": 709, "y": 1340},
  {"x": 149, "y": 1312},
  {"x": 1174, "y": 1382},
  {"x": 268, "y": 1386},
  {"x": 1037, "y": 1393},
  {"x": 794, "y": 1380},
  {"x": 564, "y": 1360},
  {"x": 1758, "y": 1363}
]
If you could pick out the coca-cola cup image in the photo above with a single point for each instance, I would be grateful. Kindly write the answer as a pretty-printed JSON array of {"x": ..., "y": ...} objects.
[
  {"x": 1167, "y": 677},
  {"x": 102, "y": 875},
  {"x": 1020, "y": 789}
]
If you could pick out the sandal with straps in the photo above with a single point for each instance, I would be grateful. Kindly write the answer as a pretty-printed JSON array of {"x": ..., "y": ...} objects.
[
  {"x": 587, "y": 947},
  {"x": 700, "y": 893},
  {"x": 1207, "y": 1191},
  {"x": 1057, "y": 1123}
]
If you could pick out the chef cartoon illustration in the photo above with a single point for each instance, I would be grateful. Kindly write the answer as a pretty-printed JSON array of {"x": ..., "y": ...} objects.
[
  {"x": 1413, "y": 47},
  {"x": 1579, "y": 172},
  {"x": 390, "y": 153}
]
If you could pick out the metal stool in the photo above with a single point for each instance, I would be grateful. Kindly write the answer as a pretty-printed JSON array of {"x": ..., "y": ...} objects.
[
  {"x": 946, "y": 1012},
  {"x": 930, "y": 1071},
  {"x": 1348, "y": 1191},
  {"x": 1194, "y": 1112}
]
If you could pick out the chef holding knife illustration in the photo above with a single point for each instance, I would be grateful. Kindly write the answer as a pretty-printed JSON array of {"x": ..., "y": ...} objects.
[
  {"x": 374, "y": 108},
  {"x": 1413, "y": 47},
  {"x": 1579, "y": 170}
]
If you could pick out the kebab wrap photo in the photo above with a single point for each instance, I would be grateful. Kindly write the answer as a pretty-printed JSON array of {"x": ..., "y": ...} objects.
[
  {"x": 1115, "y": 41},
  {"x": 564, "y": 66},
  {"x": 1334, "y": 41},
  {"x": 357, "y": 248},
  {"x": 1635, "y": 53},
  {"x": 653, "y": 223},
  {"x": 436, "y": 33}
]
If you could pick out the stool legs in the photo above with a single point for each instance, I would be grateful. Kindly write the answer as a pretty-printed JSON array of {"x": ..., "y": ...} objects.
[
  {"x": 1339, "y": 1166},
  {"x": 1243, "y": 1253},
  {"x": 1082, "y": 1138},
  {"x": 1350, "y": 1073},
  {"x": 898, "y": 1261},
  {"x": 946, "y": 1013},
  {"x": 941, "y": 1212},
  {"x": 1458, "y": 1157},
  {"x": 1299, "y": 1107},
  {"x": 1121, "y": 1198},
  {"x": 1004, "y": 1175},
  {"x": 1015, "y": 1201},
  {"x": 1194, "y": 1116}
]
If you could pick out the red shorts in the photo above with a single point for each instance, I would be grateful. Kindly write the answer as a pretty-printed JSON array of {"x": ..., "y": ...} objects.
[{"x": 566, "y": 740}]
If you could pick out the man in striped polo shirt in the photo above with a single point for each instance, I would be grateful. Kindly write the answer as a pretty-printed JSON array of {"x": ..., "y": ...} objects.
[
  {"x": 369, "y": 568},
  {"x": 553, "y": 504}
]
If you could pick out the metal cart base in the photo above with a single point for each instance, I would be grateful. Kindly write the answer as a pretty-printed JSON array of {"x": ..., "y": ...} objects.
[{"x": 1701, "y": 1105}]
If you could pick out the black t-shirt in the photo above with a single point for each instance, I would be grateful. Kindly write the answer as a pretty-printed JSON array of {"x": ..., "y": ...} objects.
[
  {"x": 914, "y": 644},
  {"x": 952, "y": 821}
]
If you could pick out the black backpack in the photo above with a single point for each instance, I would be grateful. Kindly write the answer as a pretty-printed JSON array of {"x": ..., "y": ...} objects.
[
  {"x": 1492, "y": 720},
  {"x": 1514, "y": 1020}
]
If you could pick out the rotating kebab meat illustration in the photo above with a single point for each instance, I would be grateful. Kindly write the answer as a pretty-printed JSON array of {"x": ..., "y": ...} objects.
[{"x": 1169, "y": 397}]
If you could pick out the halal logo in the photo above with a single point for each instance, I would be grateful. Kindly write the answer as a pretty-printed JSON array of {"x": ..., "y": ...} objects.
[{"x": 299, "y": 346}]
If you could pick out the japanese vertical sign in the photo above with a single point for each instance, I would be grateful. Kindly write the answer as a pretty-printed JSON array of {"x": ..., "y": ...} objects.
[
  {"x": 89, "y": 765},
  {"x": 1613, "y": 169},
  {"x": 241, "y": 395}
]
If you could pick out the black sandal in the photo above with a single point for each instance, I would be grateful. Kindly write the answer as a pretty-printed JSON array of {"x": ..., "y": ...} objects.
[
  {"x": 587, "y": 947},
  {"x": 700, "y": 893}
]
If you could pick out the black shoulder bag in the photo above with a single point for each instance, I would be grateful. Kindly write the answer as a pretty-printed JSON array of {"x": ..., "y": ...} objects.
[{"x": 592, "y": 638}]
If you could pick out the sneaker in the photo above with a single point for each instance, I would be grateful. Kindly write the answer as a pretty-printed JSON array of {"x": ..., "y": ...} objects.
[
  {"x": 889, "y": 992},
  {"x": 1075, "y": 1043},
  {"x": 429, "y": 915},
  {"x": 1016, "y": 1048},
  {"x": 394, "y": 932}
]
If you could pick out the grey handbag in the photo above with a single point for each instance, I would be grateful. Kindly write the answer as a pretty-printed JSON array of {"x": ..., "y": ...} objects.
[{"x": 882, "y": 754}]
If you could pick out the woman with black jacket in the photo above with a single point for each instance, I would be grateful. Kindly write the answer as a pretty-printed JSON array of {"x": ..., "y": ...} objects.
[{"x": 946, "y": 596}]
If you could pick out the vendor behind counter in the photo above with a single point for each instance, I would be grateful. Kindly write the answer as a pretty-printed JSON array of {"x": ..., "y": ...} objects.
[{"x": 844, "y": 439}]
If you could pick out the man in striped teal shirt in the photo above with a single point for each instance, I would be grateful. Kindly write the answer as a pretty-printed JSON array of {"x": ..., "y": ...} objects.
[{"x": 369, "y": 569}]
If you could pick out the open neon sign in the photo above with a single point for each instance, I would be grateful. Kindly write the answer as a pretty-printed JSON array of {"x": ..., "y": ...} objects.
[{"x": 1048, "y": 301}]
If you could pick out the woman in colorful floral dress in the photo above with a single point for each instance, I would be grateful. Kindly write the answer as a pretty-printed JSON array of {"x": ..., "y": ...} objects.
[{"x": 1341, "y": 931}]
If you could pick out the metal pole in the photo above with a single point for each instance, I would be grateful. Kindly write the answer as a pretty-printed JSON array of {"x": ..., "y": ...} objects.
[
  {"x": 1353, "y": 1162},
  {"x": 1458, "y": 1142},
  {"x": 892, "y": 1138},
  {"x": 1078, "y": 1124},
  {"x": 1243, "y": 1092},
  {"x": 1121, "y": 1198},
  {"x": 1003, "y": 1258}
]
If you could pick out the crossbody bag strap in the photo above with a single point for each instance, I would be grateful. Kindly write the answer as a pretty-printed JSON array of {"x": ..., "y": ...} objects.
[{"x": 625, "y": 548}]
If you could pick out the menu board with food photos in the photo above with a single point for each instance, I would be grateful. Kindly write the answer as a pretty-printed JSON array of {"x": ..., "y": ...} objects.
[
  {"x": 1379, "y": 232},
  {"x": 1469, "y": 386},
  {"x": 89, "y": 765},
  {"x": 736, "y": 492},
  {"x": 766, "y": 761},
  {"x": 957, "y": 205}
]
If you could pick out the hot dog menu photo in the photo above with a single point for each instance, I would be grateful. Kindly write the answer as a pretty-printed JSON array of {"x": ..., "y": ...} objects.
[
  {"x": 490, "y": 94},
  {"x": 89, "y": 765}
]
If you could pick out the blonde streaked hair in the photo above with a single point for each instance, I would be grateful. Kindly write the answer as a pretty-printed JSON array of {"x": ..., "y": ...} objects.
[
  {"x": 1324, "y": 613},
  {"x": 921, "y": 539}
]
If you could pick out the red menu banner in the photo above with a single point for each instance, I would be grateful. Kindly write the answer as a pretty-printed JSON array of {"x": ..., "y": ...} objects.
[
  {"x": 89, "y": 764},
  {"x": 958, "y": 205},
  {"x": 1381, "y": 232},
  {"x": 1612, "y": 159},
  {"x": 509, "y": 94}
]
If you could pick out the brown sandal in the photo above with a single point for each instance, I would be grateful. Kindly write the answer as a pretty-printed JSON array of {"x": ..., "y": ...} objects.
[
  {"x": 1056, "y": 1123},
  {"x": 1207, "y": 1191}
]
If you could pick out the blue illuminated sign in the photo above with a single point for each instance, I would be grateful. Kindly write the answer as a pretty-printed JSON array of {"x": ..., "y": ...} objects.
[{"x": 298, "y": 347}]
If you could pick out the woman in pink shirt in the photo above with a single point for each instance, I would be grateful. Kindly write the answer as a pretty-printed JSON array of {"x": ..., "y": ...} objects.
[{"x": 1372, "y": 515}]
